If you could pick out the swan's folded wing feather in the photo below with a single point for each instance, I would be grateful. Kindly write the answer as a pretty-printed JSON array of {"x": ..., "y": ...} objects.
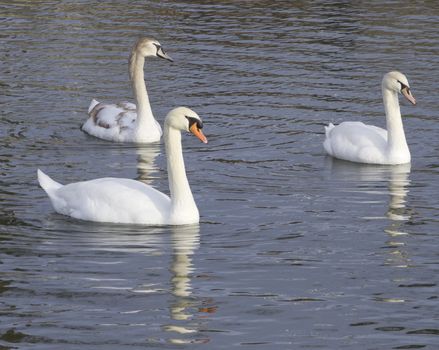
[
  {"x": 127, "y": 106},
  {"x": 111, "y": 116},
  {"x": 113, "y": 200},
  {"x": 114, "y": 122},
  {"x": 356, "y": 141}
]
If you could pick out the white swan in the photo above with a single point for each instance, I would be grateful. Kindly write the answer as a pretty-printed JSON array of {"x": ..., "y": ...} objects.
[
  {"x": 133, "y": 202},
  {"x": 122, "y": 122},
  {"x": 358, "y": 142}
]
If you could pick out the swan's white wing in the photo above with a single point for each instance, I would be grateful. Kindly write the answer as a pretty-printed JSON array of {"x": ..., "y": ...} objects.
[
  {"x": 112, "y": 200},
  {"x": 113, "y": 122},
  {"x": 356, "y": 142}
]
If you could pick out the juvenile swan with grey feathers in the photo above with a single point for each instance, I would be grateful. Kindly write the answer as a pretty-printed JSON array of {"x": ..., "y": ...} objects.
[
  {"x": 124, "y": 122},
  {"x": 358, "y": 142},
  {"x": 132, "y": 202}
]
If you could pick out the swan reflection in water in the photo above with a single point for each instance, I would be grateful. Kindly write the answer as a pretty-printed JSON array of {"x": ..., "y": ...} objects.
[
  {"x": 185, "y": 240},
  {"x": 147, "y": 170},
  {"x": 398, "y": 190},
  {"x": 367, "y": 178},
  {"x": 398, "y": 183},
  {"x": 398, "y": 214},
  {"x": 187, "y": 312}
]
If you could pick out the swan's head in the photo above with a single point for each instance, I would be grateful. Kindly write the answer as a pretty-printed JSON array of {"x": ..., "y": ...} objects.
[
  {"x": 150, "y": 47},
  {"x": 185, "y": 119},
  {"x": 396, "y": 81}
]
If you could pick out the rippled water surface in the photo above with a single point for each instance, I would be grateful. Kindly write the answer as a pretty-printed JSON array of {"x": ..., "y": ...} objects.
[{"x": 294, "y": 250}]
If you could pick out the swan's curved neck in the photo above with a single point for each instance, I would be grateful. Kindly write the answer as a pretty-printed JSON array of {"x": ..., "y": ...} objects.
[
  {"x": 181, "y": 195},
  {"x": 144, "y": 112},
  {"x": 395, "y": 131}
]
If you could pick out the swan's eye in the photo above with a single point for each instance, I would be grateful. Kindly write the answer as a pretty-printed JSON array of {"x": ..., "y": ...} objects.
[
  {"x": 193, "y": 121},
  {"x": 157, "y": 46}
]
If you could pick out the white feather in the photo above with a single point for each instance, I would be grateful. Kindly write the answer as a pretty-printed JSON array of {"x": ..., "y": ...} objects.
[
  {"x": 129, "y": 201},
  {"x": 358, "y": 142},
  {"x": 127, "y": 122}
]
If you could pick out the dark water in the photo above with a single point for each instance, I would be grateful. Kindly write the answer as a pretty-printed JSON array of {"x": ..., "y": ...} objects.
[{"x": 294, "y": 250}]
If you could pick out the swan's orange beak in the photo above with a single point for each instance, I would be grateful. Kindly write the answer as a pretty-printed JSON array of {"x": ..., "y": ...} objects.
[
  {"x": 198, "y": 133},
  {"x": 408, "y": 95}
]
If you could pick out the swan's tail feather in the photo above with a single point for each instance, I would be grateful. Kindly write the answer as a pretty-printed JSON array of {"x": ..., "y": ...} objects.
[
  {"x": 328, "y": 129},
  {"x": 93, "y": 104},
  {"x": 327, "y": 143},
  {"x": 48, "y": 185}
]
